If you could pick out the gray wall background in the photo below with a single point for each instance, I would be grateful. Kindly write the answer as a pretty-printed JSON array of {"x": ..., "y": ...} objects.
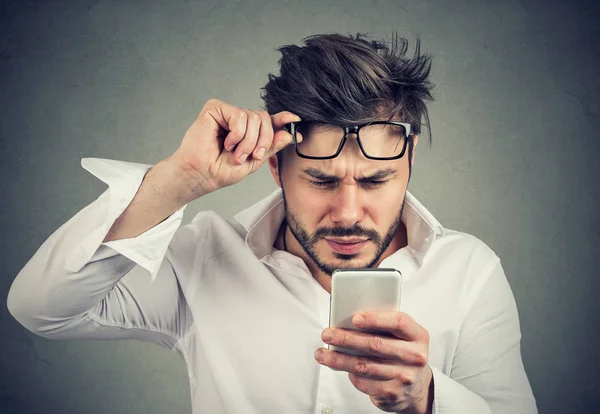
[{"x": 514, "y": 159}]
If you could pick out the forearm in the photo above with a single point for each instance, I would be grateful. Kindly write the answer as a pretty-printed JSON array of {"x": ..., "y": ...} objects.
[{"x": 164, "y": 190}]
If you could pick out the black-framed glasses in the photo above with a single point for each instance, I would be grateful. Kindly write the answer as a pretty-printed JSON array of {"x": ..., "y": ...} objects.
[{"x": 378, "y": 140}]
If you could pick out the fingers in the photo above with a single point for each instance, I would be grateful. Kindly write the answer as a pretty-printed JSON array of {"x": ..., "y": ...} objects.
[
  {"x": 281, "y": 137},
  {"x": 237, "y": 130},
  {"x": 265, "y": 137},
  {"x": 399, "y": 324},
  {"x": 280, "y": 119},
  {"x": 391, "y": 348},
  {"x": 363, "y": 366},
  {"x": 247, "y": 144},
  {"x": 228, "y": 118},
  {"x": 250, "y": 133}
]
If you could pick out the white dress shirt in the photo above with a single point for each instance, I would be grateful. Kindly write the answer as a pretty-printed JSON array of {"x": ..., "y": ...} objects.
[{"x": 247, "y": 318}]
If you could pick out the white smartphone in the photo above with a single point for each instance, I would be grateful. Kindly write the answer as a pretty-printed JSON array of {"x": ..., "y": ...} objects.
[{"x": 358, "y": 290}]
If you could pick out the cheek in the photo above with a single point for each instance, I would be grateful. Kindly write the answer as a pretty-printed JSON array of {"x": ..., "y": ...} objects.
[
  {"x": 384, "y": 207},
  {"x": 306, "y": 203},
  {"x": 312, "y": 205}
]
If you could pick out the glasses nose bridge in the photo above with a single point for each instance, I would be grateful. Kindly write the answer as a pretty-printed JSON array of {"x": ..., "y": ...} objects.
[{"x": 350, "y": 130}]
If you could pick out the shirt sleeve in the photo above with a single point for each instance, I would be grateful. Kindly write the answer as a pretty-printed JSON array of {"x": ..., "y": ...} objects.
[
  {"x": 488, "y": 376},
  {"x": 77, "y": 287}
]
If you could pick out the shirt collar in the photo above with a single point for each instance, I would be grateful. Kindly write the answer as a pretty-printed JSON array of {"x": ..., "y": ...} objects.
[{"x": 262, "y": 222}]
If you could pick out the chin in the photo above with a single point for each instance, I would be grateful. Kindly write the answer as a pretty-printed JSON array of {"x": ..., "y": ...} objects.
[
  {"x": 346, "y": 257},
  {"x": 354, "y": 261}
]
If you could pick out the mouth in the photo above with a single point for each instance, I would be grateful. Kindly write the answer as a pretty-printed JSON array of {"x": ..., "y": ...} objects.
[{"x": 346, "y": 245}]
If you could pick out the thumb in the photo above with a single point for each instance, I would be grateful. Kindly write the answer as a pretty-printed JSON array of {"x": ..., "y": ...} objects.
[
  {"x": 282, "y": 138},
  {"x": 280, "y": 119}
]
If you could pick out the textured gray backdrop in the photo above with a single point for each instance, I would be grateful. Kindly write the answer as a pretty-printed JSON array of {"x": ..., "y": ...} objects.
[{"x": 514, "y": 159}]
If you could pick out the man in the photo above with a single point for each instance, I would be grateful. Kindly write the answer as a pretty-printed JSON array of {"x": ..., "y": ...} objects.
[{"x": 246, "y": 302}]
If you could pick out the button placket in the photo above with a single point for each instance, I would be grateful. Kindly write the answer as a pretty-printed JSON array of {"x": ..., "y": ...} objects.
[{"x": 325, "y": 391}]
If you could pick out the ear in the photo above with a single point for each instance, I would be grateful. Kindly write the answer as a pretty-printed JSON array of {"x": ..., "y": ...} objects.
[
  {"x": 415, "y": 142},
  {"x": 274, "y": 168}
]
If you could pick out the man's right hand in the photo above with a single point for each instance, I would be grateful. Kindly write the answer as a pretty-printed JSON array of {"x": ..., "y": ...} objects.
[{"x": 226, "y": 143}]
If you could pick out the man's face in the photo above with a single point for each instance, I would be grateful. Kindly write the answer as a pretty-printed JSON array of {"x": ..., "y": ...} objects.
[{"x": 344, "y": 211}]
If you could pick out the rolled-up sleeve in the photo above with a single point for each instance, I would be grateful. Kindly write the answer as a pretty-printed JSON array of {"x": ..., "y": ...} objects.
[
  {"x": 124, "y": 179},
  {"x": 487, "y": 374},
  {"x": 77, "y": 287}
]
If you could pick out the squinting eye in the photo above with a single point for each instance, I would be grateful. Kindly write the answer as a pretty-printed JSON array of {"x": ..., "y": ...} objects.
[
  {"x": 329, "y": 183},
  {"x": 374, "y": 183}
]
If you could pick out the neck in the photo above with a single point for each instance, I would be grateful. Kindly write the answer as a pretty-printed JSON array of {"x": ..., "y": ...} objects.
[{"x": 285, "y": 227}]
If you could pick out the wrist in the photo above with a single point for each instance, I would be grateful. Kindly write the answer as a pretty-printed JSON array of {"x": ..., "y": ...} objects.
[
  {"x": 425, "y": 404},
  {"x": 185, "y": 184}
]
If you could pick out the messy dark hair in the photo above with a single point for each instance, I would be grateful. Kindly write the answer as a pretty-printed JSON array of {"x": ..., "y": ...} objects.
[{"x": 341, "y": 80}]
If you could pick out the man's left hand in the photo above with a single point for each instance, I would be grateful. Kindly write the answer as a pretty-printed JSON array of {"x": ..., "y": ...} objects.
[{"x": 396, "y": 374}]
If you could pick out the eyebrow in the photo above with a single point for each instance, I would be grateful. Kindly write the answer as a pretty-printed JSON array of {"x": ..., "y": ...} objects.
[{"x": 378, "y": 175}]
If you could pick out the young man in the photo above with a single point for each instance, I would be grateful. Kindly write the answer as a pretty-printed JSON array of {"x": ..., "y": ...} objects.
[{"x": 246, "y": 302}]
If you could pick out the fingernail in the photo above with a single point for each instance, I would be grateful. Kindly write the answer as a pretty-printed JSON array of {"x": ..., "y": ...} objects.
[
  {"x": 242, "y": 158},
  {"x": 358, "y": 319},
  {"x": 319, "y": 354},
  {"x": 260, "y": 153},
  {"x": 230, "y": 148},
  {"x": 327, "y": 335}
]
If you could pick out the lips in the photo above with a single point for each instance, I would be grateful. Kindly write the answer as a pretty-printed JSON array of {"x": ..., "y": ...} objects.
[{"x": 346, "y": 246}]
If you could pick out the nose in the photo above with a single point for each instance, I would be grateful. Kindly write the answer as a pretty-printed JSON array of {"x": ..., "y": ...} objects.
[{"x": 347, "y": 209}]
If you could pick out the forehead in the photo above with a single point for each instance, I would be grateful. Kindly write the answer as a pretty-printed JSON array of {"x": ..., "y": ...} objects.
[
  {"x": 350, "y": 162},
  {"x": 345, "y": 163}
]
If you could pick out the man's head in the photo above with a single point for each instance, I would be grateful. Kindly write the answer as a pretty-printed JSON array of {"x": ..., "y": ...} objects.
[{"x": 345, "y": 211}]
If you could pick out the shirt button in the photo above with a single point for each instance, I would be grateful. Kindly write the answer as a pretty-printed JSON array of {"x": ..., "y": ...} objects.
[{"x": 327, "y": 410}]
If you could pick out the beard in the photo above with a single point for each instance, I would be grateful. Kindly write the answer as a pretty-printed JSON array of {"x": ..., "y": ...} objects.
[{"x": 308, "y": 241}]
